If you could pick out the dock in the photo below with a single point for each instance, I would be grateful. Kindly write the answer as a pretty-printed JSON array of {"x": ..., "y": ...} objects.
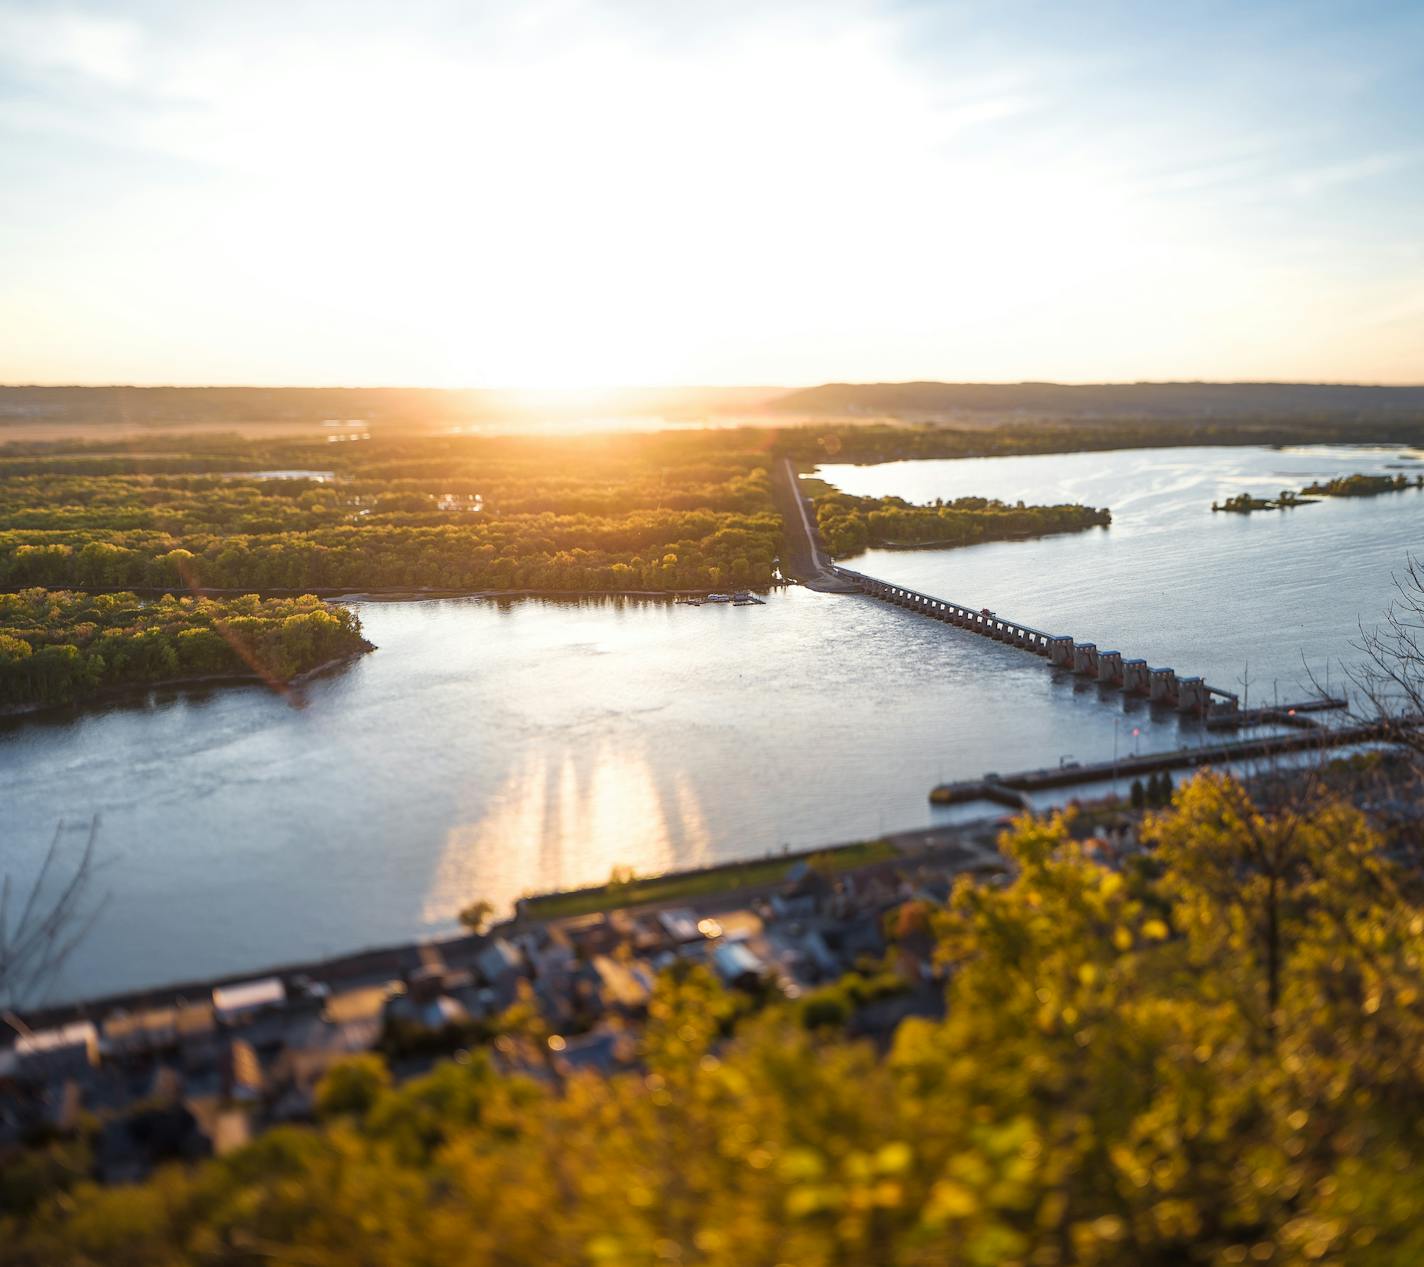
[{"x": 1013, "y": 789}]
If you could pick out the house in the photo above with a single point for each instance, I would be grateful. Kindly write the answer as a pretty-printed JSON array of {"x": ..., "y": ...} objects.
[
  {"x": 51, "y": 1055},
  {"x": 601, "y": 1051},
  {"x": 679, "y": 925},
  {"x": 241, "y": 1072},
  {"x": 624, "y": 986},
  {"x": 233, "y": 1004},
  {"x": 499, "y": 961},
  {"x": 737, "y": 965}
]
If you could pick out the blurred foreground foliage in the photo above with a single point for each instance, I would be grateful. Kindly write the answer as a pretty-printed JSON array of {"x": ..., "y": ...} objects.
[{"x": 1213, "y": 1056}]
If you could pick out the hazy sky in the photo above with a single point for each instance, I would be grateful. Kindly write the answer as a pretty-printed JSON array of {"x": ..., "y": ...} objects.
[{"x": 568, "y": 192}]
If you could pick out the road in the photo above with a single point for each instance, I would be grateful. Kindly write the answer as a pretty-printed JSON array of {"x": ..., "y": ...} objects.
[{"x": 803, "y": 558}]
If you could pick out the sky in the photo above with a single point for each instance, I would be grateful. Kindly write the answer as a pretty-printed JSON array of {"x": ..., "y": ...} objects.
[{"x": 569, "y": 193}]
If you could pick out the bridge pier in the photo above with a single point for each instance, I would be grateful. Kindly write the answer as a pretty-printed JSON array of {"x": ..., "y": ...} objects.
[
  {"x": 1191, "y": 695},
  {"x": 1085, "y": 658},
  {"x": 1164, "y": 686}
]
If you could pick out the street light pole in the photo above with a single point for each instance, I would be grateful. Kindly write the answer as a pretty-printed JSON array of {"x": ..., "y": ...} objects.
[{"x": 1116, "y": 720}]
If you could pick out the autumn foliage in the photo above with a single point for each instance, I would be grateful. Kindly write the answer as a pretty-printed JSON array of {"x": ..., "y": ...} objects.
[{"x": 1213, "y": 1056}]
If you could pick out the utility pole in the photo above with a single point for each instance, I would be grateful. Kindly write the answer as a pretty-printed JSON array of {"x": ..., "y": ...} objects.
[{"x": 1116, "y": 720}]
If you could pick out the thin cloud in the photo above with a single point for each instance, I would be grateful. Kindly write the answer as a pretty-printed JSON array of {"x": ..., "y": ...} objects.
[
  {"x": 1319, "y": 179},
  {"x": 45, "y": 44}
]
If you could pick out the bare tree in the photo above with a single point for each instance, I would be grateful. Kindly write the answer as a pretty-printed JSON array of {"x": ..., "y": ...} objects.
[
  {"x": 40, "y": 927},
  {"x": 1390, "y": 678}
]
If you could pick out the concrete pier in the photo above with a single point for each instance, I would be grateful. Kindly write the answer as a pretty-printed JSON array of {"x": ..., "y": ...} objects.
[
  {"x": 1191, "y": 695},
  {"x": 1136, "y": 677},
  {"x": 1164, "y": 686},
  {"x": 1109, "y": 668}
]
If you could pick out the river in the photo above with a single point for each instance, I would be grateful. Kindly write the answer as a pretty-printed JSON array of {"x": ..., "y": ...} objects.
[{"x": 489, "y": 749}]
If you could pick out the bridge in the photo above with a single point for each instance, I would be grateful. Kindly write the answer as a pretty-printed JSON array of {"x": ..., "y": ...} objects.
[{"x": 1109, "y": 668}]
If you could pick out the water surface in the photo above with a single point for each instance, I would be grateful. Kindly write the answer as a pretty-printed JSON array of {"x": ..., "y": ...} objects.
[{"x": 493, "y": 749}]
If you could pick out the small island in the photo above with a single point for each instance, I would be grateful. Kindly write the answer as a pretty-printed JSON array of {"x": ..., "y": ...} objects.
[
  {"x": 851, "y": 524},
  {"x": 1342, "y": 486},
  {"x": 1363, "y": 485},
  {"x": 61, "y": 647},
  {"x": 1245, "y": 504}
]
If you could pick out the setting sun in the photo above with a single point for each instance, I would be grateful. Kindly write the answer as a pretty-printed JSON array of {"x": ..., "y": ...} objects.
[{"x": 573, "y": 196}]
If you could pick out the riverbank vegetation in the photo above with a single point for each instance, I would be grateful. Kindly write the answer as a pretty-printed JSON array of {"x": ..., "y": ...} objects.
[
  {"x": 869, "y": 443},
  {"x": 850, "y": 524},
  {"x": 679, "y": 510},
  {"x": 1209, "y": 1056},
  {"x": 58, "y": 647},
  {"x": 1245, "y": 504},
  {"x": 1363, "y": 485},
  {"x": 666, "y": 511},
  {"x": 630, "y": 890}
]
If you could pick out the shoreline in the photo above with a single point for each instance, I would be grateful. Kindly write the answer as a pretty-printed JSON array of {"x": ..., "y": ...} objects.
[
  {"x": 338, "y": 594},
  {"x": 399, "y": 956},
  {"x": 113, "y": 694}
]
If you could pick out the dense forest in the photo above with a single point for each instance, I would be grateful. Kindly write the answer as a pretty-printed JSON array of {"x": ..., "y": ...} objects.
[
  {"x": 881, "y": 442},
  {"x": 58, "y": 647},
  {"x": 1214, "y": 1056},
  {"x": 1338, "y": 404},
  {"x": 850, "y": 524},
  {"x": 667, "y": 511},
  {"x": 663, "y": 512}
]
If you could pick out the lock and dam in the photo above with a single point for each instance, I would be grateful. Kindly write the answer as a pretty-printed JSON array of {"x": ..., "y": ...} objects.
[{"x": 1109, "y": 668}]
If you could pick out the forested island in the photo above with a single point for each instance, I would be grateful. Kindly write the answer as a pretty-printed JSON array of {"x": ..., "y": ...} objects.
[
  {"x": 850, "y": 524},
  {"x": 1363, "y": 485},
  {"x": 1341, "y": 486},
  {"x": 1245, "y": 504},
  {"x": 660, "y": 512},
  {"x": 58, "y": 647}
]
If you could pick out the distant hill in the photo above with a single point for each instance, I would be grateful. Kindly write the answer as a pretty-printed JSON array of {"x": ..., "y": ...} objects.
[
  {"x": 987, "y": 402},
  {"x": 98, "y": 410},
  {"x": 407, "y": 406}
]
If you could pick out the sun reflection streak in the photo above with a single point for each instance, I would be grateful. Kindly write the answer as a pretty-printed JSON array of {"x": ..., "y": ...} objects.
[{"x": 569, "y": 818}]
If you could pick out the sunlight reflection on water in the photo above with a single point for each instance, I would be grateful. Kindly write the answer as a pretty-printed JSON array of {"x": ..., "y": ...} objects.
[{"x": 492, "y": 748}]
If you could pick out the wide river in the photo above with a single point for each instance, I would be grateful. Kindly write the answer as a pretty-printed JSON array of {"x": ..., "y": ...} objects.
[{"x": 490, "y": 749}]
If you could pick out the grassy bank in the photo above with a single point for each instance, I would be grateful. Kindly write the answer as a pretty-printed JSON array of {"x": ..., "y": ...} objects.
[{"x": 687, "y": 885}]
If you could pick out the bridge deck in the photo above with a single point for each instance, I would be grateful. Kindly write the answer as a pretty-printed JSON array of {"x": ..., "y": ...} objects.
[{"x": 1110, "y": 668}]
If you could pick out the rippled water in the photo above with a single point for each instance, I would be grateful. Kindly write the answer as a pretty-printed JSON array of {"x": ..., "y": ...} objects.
[
  {"x": 1276, "y": 595},
  {"x": 491, "y": 749}
]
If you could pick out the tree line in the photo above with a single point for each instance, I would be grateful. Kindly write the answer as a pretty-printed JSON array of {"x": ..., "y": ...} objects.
[
  {"x": 58, "y": 647},
  {"x": 664, "y": 512},
  {"x": 850, "y": 524},
  {"x": 1212, "y": 1054}
]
